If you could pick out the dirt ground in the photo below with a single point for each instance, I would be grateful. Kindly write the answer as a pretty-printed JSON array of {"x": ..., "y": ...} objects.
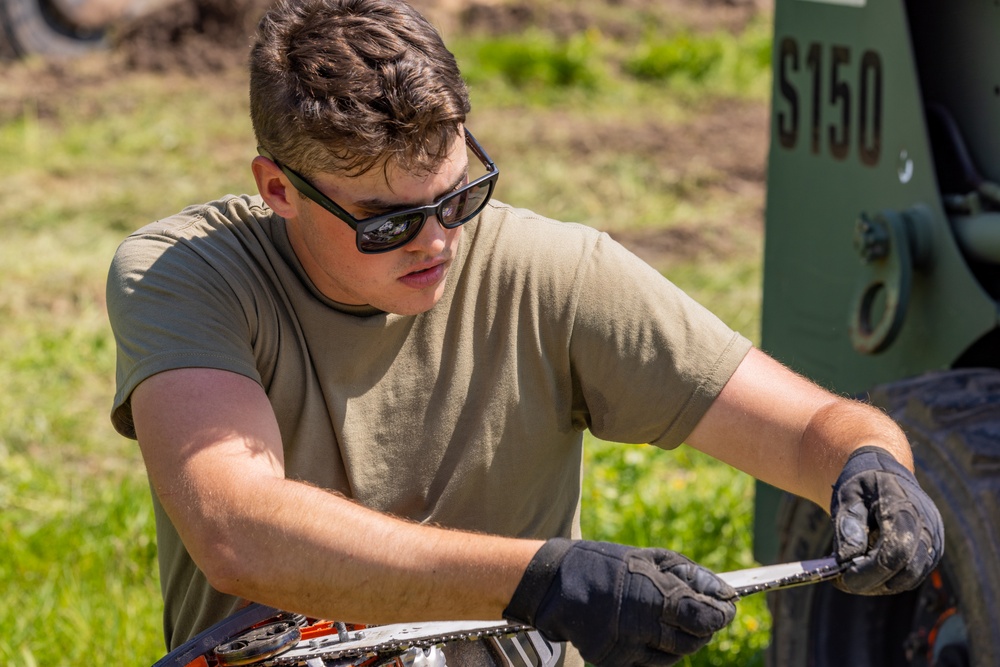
[
  {"x": 198, "y": 37},
  {"x": 200, "y": 34}
]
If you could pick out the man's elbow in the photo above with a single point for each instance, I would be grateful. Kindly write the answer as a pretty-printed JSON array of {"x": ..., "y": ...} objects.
[{"x": 228, "y": 567}]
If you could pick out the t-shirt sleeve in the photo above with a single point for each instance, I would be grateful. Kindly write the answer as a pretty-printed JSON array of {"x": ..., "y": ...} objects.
[
  {"x": 173, "y": 304},
  {"x": 647, "y": 359}
]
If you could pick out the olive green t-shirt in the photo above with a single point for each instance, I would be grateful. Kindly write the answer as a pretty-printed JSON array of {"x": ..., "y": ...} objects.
[{"x": 469, "y": 415}]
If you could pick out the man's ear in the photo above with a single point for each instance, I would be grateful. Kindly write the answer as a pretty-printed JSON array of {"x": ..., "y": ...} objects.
[{"x": 274, "y": 187}]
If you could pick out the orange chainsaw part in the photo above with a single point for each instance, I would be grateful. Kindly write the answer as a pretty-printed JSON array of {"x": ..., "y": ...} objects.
[
  {"x": 324, "y": 628},
  {"x": 315, "y": 629}
]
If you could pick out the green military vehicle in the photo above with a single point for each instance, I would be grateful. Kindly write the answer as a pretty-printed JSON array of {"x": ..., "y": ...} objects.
[{"x": 881, "y": 280}]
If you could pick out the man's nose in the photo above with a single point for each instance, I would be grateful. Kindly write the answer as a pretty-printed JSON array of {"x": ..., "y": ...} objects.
[{"x": 432, "y": 238}]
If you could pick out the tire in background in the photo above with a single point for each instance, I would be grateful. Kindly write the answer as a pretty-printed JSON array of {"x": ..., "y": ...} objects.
[
  {"x": 952, "y": 420},
  {"x": 37, "y": 27}
]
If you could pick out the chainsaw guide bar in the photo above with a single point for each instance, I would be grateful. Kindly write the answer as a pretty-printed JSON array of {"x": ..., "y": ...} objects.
[
  {"x": 268, "y": 637},
  {"x": 785, "y": 575}
]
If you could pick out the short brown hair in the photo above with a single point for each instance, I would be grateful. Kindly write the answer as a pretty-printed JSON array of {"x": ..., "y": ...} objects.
[{"x": 345, "y": 85}]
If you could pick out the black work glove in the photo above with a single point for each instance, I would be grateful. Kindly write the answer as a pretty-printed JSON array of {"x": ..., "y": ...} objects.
[
  {"x": 885, "y": 524},
  {"x": 619, "y": 605}
]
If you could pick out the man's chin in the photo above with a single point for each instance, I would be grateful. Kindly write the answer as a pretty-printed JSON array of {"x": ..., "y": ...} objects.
[{"x": 415, "y": 304}]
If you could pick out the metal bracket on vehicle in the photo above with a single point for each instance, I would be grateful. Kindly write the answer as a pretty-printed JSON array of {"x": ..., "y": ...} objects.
[{"x": 891, "y": 245}]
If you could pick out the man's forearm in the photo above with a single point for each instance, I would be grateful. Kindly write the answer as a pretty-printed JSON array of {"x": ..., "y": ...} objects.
[
  {"x": 787, "y": 431},
  {"x": 300, "y": 548},
  {"x": 213, "y": 451},
  {"x": 835, "y": 431}
]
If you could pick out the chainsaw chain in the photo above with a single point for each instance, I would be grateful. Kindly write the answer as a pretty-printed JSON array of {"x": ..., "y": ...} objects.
[
  {"x": 326, "y": 649},
  {"x": 807, "y": 577}
]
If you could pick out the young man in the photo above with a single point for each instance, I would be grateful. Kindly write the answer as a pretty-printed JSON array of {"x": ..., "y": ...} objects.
[{"x": 361, "y": 395}]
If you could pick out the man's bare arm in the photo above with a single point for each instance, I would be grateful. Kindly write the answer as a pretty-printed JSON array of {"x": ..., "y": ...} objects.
[
  {"x": 213, "y": 452},
  {"x": 785, "y": 430}
]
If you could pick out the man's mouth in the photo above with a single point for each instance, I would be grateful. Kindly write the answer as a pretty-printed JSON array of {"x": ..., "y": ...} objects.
[{"x": 425, "y": 276}]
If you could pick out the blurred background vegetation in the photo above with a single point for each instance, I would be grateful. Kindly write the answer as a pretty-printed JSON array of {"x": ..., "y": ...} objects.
[{"x": 626, "y": 120}]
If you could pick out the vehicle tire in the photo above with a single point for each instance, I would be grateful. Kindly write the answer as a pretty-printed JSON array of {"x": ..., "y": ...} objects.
[
  {"x": 37, "y": 27},
  {"x": 952, "y": 420}
]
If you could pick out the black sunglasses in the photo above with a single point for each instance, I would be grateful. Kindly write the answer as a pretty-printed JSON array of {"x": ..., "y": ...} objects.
[{"x": 389, "y": 231}]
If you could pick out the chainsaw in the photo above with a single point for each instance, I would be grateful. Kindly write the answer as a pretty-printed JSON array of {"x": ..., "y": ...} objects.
[{"x": 268, "y": 637}]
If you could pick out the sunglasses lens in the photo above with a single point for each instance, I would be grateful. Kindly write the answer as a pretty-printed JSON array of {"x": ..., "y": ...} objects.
[
  {"x": 464, "y": 204},
  {"x": 393, "y": 232}
]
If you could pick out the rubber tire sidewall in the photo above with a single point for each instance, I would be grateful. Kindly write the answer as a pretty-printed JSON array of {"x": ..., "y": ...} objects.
[
  {"x": 952, "y": 420},
  {"x": 29, "y": 30}
]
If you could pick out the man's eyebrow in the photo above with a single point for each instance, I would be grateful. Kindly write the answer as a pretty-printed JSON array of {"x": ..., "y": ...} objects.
[{"x": 376, "y": 204}]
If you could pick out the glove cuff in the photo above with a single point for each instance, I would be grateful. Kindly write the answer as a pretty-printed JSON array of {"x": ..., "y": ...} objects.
[
  {"x": 870, "y": 457},
  {"x": 537, "y": 580}
]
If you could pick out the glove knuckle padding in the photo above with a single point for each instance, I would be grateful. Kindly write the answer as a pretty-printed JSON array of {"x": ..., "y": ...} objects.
[
  {"x": 682, "y": 592},
  {"x": 885, "y": 523},
  {"x": 626, "y": 606}
]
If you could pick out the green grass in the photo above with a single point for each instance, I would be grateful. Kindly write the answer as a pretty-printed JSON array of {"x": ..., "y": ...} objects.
[
  {"x": 79, "y": 566},
  {"x": 684, "y": 501},
  {"x": 536, "y": 67},
  {"x": 81, "y": 169},
  {"x": 534, "y": 61},
  {"x": 78, "y": 570},
  {"x": 717, "y": 60}
]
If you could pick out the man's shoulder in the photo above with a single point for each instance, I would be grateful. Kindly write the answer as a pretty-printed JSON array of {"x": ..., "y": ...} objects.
[
  {"x": 200, "y": 219},
  {"x": 515, "y": 222},
  {"x": 515, "y": 251},
  {"x": 233, "y": 243},
  {"x": 231, "y": 226},
  {"x": 523, "y": 237}
]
